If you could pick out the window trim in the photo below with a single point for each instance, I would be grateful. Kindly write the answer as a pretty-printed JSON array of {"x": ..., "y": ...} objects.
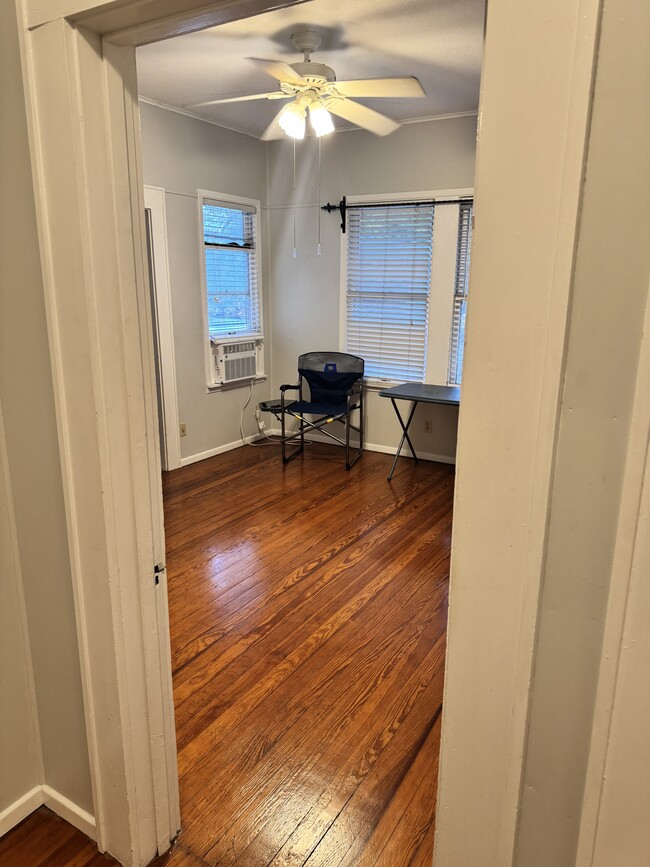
[
  {"x": 434, "y": 373},
  {"x": 208, "y": 342},
  {"x": 460, "y": 349}
]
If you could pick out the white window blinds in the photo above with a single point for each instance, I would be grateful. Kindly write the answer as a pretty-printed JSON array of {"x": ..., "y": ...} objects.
[
  {"x": 388, "y": 281},
  {"x": 229, "y": 233},
  {"x": 461, "y": 284}
]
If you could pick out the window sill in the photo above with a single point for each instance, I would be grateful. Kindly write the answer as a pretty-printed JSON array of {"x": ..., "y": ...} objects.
[
  {"x": 235, "y": 338},
  {"x": 381, "y": 384},
  {"x": 213, "y": 387}
]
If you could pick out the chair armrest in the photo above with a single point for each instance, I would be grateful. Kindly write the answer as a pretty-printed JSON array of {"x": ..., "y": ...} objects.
[{"x": 283, "y": 390}]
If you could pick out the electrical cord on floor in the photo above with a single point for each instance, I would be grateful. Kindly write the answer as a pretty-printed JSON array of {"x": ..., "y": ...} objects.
[{"x": 268, "y": 441}]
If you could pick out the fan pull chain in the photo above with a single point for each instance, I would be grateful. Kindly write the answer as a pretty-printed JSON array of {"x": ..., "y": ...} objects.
[
  {"x": 319, "y": 196},
  {"x": 295, "y": 251}
]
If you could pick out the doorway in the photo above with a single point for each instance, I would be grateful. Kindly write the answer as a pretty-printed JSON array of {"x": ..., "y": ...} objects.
[
  {"x": 199, "y": 627},
  {"x": 68, "y": 65}
]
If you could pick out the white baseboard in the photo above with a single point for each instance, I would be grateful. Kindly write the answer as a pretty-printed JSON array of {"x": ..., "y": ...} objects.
[
  {"x": 405, "y": 453},
  {"x": 228, "y": 447},
  {"x": 369, "y": 447},
  {"x": 20, "y": 809},
  {"x": 376, "y": 447},
  {"x": 59, "y": 804},
  {"x": 71, "y": 812}
]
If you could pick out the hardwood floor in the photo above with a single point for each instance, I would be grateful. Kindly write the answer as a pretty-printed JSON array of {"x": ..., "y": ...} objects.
[{"x": 308, "y": 610}]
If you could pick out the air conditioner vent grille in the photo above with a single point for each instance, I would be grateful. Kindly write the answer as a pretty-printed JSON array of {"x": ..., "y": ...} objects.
[
  {"x": 237, "y": 361},
  {"x": 240, "y": 368},
  {"x": 232, "y": 348}
]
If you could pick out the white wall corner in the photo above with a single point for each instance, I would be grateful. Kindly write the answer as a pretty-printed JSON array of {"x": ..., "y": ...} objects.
[{"x": 71, "y": 812}]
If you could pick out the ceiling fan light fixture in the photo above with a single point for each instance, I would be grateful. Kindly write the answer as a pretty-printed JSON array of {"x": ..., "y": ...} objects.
[
  {"x": 292, "y": 120},
  {"x": 320, "y": 119}
]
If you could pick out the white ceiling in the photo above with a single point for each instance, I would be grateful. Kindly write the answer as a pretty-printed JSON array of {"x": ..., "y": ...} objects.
[{"x": 438, "y": 41}]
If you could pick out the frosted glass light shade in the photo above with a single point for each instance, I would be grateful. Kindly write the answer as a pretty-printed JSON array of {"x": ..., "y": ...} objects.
[
  {"x": 321, "y": 119},
  {"x": 292, "y": 120}
]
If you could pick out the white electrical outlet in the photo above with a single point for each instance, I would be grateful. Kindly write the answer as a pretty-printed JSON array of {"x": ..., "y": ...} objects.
[
  {"x": 183, "y": 428},
  {"x": 427, "y": 427}
]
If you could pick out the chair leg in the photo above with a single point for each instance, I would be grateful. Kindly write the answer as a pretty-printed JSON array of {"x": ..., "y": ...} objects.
[
  {"x": 361, "y": 422},
  {"x": 284, "y": 451},
  {"x": 298, "y": 435},
  {"x": 347, "y": 441},
  {"x": 350, "y": 463}
]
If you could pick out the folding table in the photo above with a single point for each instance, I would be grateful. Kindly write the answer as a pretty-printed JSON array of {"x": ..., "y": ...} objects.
[{"x": 417, "y": 392}]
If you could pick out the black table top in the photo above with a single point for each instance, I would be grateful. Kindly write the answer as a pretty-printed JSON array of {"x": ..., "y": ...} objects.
[{"x": 424, "y": 393}]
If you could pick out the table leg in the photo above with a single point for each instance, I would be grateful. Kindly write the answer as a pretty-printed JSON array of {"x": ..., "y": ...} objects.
[{"x": 405, "y": 435}]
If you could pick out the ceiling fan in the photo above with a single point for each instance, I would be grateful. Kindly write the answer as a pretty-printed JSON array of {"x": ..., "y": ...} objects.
[{"x": 312, "y": 87}]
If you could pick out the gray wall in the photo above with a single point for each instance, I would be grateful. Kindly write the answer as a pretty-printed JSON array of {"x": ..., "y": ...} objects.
[
  {"x": 33, "y": 459},
  {"x": 182, "y": 155},
  {"x": 306, "y": 291},
  {"x": 20, "y": 758}
]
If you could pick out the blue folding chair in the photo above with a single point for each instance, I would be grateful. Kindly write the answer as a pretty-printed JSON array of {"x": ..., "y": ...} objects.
[{"x": 330, "y": 389}]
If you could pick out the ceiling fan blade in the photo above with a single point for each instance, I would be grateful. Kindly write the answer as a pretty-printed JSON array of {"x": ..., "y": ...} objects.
[
  {"x": 381, "y": 87},
  {"x": 273, "y": 130},
  {"x": 279, "y": 70},
  {"x": 361, "y": 116},
  {"x": 275, "y": 95}
]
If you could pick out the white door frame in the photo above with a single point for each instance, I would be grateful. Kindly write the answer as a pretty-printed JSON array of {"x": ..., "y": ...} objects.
[
  {"x": 154, "y": 200},
  {"x": 617, "y": 790},
  {"x": 82, "y": 106}
]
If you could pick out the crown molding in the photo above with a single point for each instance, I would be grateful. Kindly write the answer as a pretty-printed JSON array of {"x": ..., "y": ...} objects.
[
  {"x": 451, "y": 116},
  {"x": 194, "y": 116}
]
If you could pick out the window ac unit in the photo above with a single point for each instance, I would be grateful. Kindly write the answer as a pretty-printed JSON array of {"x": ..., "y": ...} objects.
[{"x": 236, "y": 361}]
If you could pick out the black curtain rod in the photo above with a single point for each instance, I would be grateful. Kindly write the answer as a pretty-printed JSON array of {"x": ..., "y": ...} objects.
[
  {"x": 343, "y": 206},
  {"x": 419, "y": 202}
]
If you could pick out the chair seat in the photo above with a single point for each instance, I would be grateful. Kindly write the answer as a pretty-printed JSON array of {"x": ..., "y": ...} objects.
[{"x": 306, "y": 407}]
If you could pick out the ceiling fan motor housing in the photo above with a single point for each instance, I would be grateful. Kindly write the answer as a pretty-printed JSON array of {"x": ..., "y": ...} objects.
[
  {"x": 306, "y": 41},
  {"x": 312, "y": 70}
]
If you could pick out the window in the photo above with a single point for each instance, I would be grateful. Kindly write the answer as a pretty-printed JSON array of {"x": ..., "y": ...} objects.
[
  {"x": 232, "y": 289},
  {"x": 407, "y": 265},
  {"x": 230, "y": 267},
  {"x": 388, "y": 275}
]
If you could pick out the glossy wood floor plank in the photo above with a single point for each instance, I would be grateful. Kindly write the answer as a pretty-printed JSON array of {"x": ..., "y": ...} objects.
[
  {"x": 283, "y": 771},
  {"x": 306, "y": 565},
  {"x": 45, "y": 840},
  {"x": 314, "y": 633},
  {"x": 380, "y": 722},
  {"x": 307, "y": 615},
  {"x": 317, "y": 548}
]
